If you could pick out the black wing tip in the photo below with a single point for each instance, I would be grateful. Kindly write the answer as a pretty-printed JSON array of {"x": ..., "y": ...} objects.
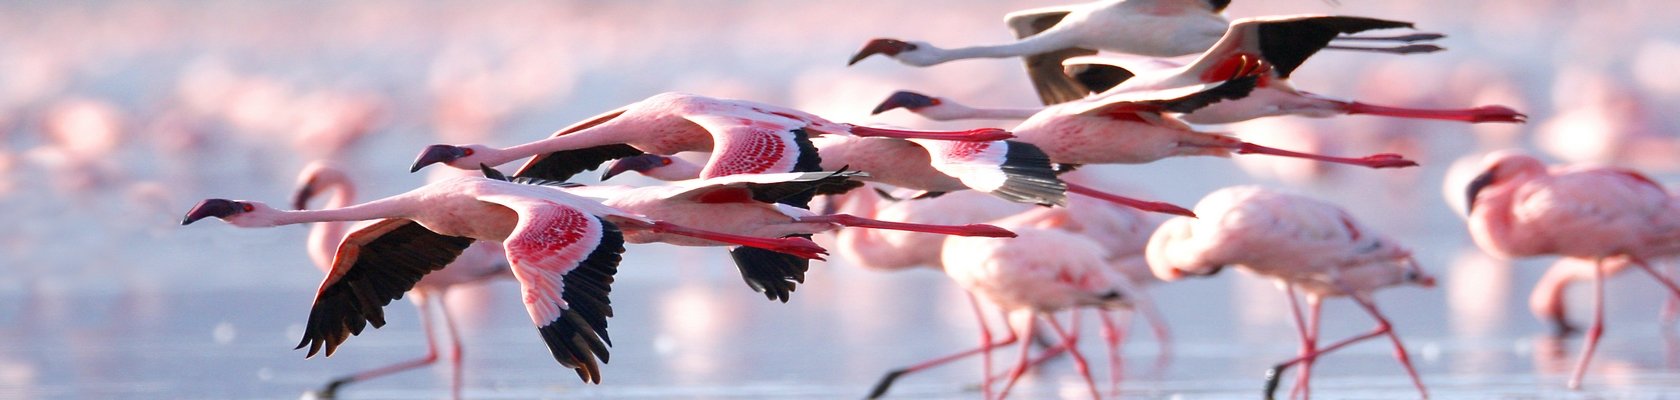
[
  {"x": 774, "y": 274},
  {"x": 578, "y": 339},
  {"x": 562, "y": 165},
  {"x": 1030, "y": 177}
]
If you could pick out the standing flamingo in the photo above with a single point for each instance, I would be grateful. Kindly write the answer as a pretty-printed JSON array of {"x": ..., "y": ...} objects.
[
  {"x": 747, "y": 205},
  {"x": 1040, "y": 272},
  {"x": 761, "y": 138},
  {"x": 1150, "y": 28},
  {"x": 1301, "y": 242},
  {"x": 1520, "y": 208},
  {"x": 563, "y": 249},
  {"x": 480, "y": 261}
]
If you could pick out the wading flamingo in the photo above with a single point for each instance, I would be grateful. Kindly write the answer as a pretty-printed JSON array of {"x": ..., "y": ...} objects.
[
  {"x": 1520, "y": 208},
  {"x": 1301, "y": 242}
]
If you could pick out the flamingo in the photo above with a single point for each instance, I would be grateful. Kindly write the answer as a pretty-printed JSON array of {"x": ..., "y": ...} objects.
[
  {"x": 478, "y": 262},
  {"x": 764, "y": 138},
  {"x": 1014, "y": 171},
  {"x": 563, "y": 249},
  {"x": 1120, "y": 232},
  {"x": 1032, "y": 276},
  {"x": 1150, "y": 28},
  {"x": 1301, "y": 242},
  {"x": 746, "y": 205},
  {"x": 1284, "y": 42},
  {"x": 1131, "y": 127},
  {"x": 1520, "y": 208}
]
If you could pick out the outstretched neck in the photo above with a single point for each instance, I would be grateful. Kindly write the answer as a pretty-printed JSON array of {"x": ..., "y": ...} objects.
[
  {"x": 598, "y": 135},
  {"x": 390, "y": 207},
  {"x": 1031, "y": 45},
  {"x": 325, "y": 236}
]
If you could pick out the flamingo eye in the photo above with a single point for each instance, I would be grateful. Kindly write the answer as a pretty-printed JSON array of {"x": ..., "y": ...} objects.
[
  {"x": 664, "y": 161},
  {"x": 247, "y": 207},
  {"x": 466, "y": 152}
]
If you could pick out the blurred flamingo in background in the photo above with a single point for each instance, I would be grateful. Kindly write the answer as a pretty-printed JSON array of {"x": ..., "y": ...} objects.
[
  {"x": 1601, "y": 119},
  {"x": 478, "y": 262},
  {"x": 1302, "y": 243},
  {"x": 1520, "y": 208},
  {"x": 83, "y": 137},
  {"x": 563, "y": 249}
]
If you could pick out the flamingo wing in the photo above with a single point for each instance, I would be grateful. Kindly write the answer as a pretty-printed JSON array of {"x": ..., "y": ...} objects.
[
  {"x": 1016, "y": 171},
  {"x": 373, "y": 265},
  {"x": 565, "y": 260},
  {"x": 1045, "y": 69},
  {"x": 757, "y": 144},
  {"x": 561, "y": 165},
  {"x": 765, "y": 188},
  {"x": 1283, "y": 41},
  {"x": 1181, "y": 99}
]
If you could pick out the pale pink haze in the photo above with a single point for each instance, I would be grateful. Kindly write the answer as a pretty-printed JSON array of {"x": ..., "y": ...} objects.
[{"x": 1302, "y": 243}]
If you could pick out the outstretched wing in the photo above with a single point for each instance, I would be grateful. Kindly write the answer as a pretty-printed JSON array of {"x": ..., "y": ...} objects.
[
  {"x": 1015, "y": 171},
  {"x": 1045, "y": 69},
  {"x": 561, "y": 165},
  {"x": 565, "y": 260},
  {"x": 1180, "y": 100},
  {"x": 374, "y": 265},
  {"x": 757, "y": 145},
  {"x": 765, "y": 188},
  {"x": 1283, "y": 41}
]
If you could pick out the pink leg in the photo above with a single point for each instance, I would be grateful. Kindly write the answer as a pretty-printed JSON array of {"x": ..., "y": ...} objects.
[
  {"x": 796, "y": 246},
  {"x": 1654, "y": 274},
  {"x": 1385, "y": 160},
  {"x": 331, "y": 389},
  {"x": 1597, "y": 328},
  {"x": 986, "y": 346},
  {"x": 1472, "y": 115},
  {"x": 1382, "y": 328},
  {"x": 1151, "y": 206},
  {"x": 958, "y": 230},
  {"x": 1113, "y": 333},
  {"x": 1052, "y": 350},
  {"x": 455, "y": 353},
  {"x": 1021, "y": 363},
  {"x": 1314, "y": 305},
  {"x": 1399, "y": 348},
  {"x": 1306, "y": 342},
  {"x": 1671, "y": 308},
  {"x": 1071, "y": 342},
  {"x": 972, "y": 135}
]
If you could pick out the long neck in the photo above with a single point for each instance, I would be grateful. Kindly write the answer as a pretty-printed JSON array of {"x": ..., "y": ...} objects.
[
  {"x": 325, "y": 236},
  {"x": 1031, "y": 45},
  {"x": 598, "y": 135},
  {"x": 994, "y": 113},
  {"x": 391, "y": 207}
]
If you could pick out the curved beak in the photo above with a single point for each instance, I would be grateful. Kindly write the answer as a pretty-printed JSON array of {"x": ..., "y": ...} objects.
[
  {"x": 219, "y": 208},
  {"x": 890, "y": 47},
  {"x": 905, "y": 99},
  {"x": 437, "y": 153},
  {"x": 1476, "y": 185},
  {"x": 300, "y": 199},
  {"x": 639, "y": 163}
]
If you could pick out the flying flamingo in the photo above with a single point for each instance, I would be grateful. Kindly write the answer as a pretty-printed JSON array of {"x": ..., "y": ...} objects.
[
  {"x": 563, "y": 249},
  {"x": 1150, "y": 28},
  {"x": 1131, "y": 127},
  {"x": 747, "y": 205},
  {"x": 1301, "y": 242},
  {"x": 765, "y": 138},
  {"x": 1032, "y": 276},
  {"x": 1520, "y": 208},
  {"x": 1014, "y": 171},
  {"x": 1283, "y": 42},
  {"x": 480, "y": 261}
]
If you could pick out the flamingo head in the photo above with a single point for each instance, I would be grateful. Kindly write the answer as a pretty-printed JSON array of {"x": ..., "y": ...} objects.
[
  {"x": 462, "y": 157},
  {"x": 907, "y": 100},
  {"x": 240, "y": 213},
  {"x": 1501, "y": 167},
  {"x": 889, "y": 47},
  {"x": 661, "y": 167}
]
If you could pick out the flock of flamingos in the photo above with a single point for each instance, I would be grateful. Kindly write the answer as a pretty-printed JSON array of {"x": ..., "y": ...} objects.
[{"x": 997, "y": 209}]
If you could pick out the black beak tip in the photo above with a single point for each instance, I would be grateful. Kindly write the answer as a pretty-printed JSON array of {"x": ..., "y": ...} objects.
[
  {"x": 1476, "y": 185},
  {"x": 219, "y": 208},
  {"x": 435, "y": 154}
]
